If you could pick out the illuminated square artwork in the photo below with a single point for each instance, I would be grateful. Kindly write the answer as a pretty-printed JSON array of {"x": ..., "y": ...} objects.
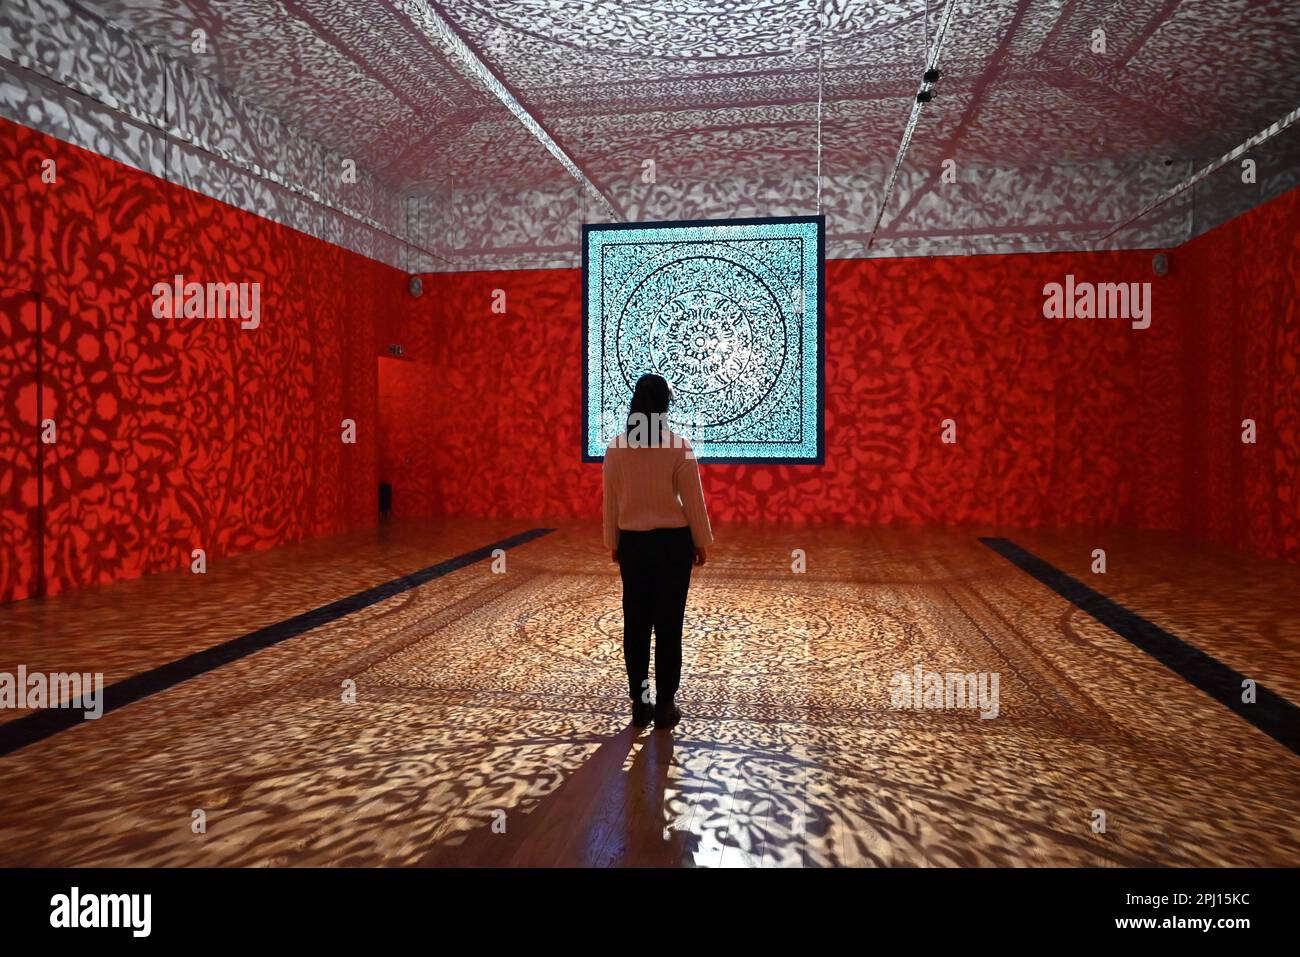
[{"x": 729, "y": 312}]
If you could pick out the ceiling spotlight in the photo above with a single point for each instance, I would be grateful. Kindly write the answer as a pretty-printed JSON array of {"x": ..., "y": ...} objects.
[
  {"x": 931, "y": 76},
  {"x": 923, "y": 97}
]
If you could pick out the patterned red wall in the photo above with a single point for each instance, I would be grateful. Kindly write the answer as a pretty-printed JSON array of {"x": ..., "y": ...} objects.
[
  {"x": 1059, "y": 422},
  {"x": 1242, "y": 283},
  {"x": 19, "y": 527},
  {"x": 173, "y": 433},
  {"x": 184, "y": 433}
]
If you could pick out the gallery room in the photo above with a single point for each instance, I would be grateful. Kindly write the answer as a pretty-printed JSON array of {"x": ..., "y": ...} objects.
[{"x": 777, "y": 434}]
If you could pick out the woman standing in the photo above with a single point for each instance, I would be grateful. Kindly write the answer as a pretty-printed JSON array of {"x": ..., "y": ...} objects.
[{"x": 656, "y": 526}]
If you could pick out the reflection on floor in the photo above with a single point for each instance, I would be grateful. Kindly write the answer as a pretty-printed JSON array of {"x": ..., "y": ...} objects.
[{"x": 489, "y": 725}]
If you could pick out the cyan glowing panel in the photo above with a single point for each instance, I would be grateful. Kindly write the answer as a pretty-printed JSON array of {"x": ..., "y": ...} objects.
[{"x": 729, "y": 312}]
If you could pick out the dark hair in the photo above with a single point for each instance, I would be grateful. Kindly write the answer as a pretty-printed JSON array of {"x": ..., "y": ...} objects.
[{"x": 650, "y": 398}]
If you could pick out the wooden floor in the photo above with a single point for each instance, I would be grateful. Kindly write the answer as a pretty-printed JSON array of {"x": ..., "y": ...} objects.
[{"x": 498, "y": 699}]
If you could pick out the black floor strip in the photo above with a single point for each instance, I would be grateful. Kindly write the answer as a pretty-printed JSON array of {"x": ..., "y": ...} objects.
[
  {"x": 40, "y": 725},
  {"x": 1271, "y": 713}
]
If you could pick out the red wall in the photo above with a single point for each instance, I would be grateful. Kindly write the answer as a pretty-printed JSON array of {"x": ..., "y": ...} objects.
[
  {"x": 173, "y": 434},
  {"x": 1059, "y": 422},
  {"x": 1242, "y": 283},
  {"x": 184, "y": 433},
  {"x": 1071, "y": 422}
]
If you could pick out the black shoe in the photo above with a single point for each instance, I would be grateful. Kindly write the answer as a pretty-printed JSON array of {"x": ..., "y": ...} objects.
[
  {"x": 667, "y": 714},
  {"x": 641, "y": 713}
]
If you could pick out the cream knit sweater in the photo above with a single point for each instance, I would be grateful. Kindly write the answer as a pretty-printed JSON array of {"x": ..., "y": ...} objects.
[{"x": 654, "y": 487}]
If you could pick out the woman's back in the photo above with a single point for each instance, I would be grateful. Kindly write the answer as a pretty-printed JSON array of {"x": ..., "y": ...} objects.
[{"x": 654, "y": 485}]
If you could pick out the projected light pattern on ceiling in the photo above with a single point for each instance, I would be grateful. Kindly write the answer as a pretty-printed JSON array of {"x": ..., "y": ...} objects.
[{"x": 729, "y": 312}]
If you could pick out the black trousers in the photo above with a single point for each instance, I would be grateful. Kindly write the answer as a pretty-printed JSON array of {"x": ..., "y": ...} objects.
[{"x": 656, "y": 571}]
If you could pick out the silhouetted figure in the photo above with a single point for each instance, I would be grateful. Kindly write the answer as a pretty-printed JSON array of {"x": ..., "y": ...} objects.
[{"x": 656, "y": 525}]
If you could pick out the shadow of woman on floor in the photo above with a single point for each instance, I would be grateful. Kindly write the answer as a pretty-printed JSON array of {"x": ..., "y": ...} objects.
[{"x": 609, "y": 813}]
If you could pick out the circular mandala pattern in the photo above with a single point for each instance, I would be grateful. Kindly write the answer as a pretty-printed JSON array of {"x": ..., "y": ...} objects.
[
  {"x": 712, "y": 324},
  {"x": 729, "y": 632},
  {"x": 702, "y": 341}
]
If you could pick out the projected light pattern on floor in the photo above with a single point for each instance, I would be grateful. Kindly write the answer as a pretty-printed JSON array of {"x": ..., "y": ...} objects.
[
  {"x": 729, "y": 312},
  {"x": 481, "y": 694}
]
